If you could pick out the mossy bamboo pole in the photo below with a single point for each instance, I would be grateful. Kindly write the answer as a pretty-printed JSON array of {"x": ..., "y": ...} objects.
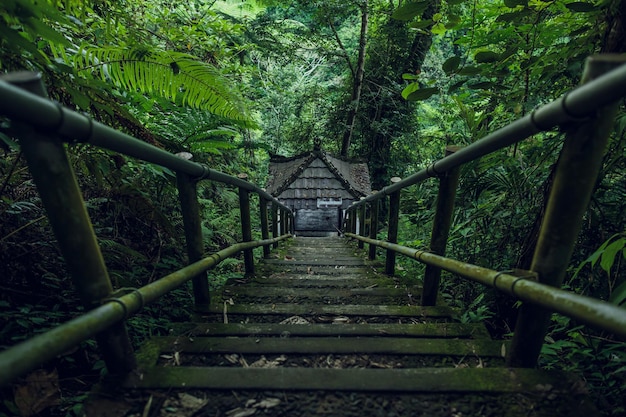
[
  {"x": 275, "y": 223},
  {"x": 55, "y": 180},
  {"x": 596, "y": 313},
  {"x": 188, "y": 196},
  {"x": 444, "y": 208},
  {"x": 264, "y": 224},
  {"x": 575, "y": 177},
  {"x": 28, "y": 355},
  {"x": 392, "y": 230},
  {"x": 362, "y": 217},
  {"x": 246, "y": 229},
  {"x": 373, "y": 229}
]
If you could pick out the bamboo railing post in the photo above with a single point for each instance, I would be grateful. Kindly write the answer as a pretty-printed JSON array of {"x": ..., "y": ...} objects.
[
  {"x": 274, "y": 223},
  {"x": 188, "y": 196},
  {"x": 575, "y": 176},
  {"x": 362, "y": 213},
  {"x": 246, "y": 226},
  {"x": 392, "y": 233},
  {"x": 353, "y": 218},
  {"x": 264, "y": 225},
  {"x": 282, "y": 221},
  {"x": 55, "y": 180},
  {"x": 373, "y": 228},
  {"x": 444, "y": 208}
]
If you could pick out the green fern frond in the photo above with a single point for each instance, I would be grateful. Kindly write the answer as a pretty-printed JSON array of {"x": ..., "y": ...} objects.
[{"x": 176, "y": 76}]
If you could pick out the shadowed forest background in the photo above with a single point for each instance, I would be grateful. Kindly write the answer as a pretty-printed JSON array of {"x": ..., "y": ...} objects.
[{"x": 387, "y": 82}]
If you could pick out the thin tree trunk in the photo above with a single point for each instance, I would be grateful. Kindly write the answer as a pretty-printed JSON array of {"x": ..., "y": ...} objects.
[{"x": 358, "y": 83}]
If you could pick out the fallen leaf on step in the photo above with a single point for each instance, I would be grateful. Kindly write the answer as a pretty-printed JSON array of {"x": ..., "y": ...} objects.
[
  {"x": 267, "y": 403},
  {"x": 295, "y": 320},
  {"x": 182, "y": 405},
  {"x": 241, "y": 412}
]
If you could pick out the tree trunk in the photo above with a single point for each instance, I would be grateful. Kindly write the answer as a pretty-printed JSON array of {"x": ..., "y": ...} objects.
[{"x": 357, "y": 84}]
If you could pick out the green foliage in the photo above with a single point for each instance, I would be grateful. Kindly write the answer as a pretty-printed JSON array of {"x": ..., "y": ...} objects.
[{"x": 174, "y": 75}]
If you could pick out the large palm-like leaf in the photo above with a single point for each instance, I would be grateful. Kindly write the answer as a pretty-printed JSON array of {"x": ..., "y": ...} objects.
[{"x": 173, "y": 75}]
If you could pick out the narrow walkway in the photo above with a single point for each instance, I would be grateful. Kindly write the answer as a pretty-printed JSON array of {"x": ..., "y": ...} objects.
[{"x": 319, "y": 332}]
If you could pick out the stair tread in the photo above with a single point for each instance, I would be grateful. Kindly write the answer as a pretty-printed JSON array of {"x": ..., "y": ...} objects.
[
  {"x": 465, "y": 380},
  {"x": 334, "y": 345},
  {"x": 347, "y": 310},
  {"x": 443, "y": 330}
]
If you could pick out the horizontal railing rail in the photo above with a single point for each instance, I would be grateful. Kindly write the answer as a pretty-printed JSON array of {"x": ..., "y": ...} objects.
[
  {"x": 42, "y": 128},
  {"x": 26, "y": 356},
  {"x": 586, "y": 115},
  {"x": 521, "y": 284}
]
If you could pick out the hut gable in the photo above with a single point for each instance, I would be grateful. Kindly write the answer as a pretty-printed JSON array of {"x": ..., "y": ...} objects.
[
  {"x": 303, "y": 180},
  {"x": 318, "y": 188}
]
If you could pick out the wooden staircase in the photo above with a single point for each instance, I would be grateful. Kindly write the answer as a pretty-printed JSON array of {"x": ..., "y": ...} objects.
[{"x": 318, "y": 331}]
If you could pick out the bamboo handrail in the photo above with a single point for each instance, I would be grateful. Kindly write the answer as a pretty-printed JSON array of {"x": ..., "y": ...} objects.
[
  {"x": 596, "y": 313},
  {"x": 26, "y": 356}
]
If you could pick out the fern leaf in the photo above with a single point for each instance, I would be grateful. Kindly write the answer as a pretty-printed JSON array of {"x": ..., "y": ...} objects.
[{"x": 176, "y": 76}]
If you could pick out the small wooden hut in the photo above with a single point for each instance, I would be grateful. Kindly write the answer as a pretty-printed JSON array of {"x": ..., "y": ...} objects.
[{"x": 318, "y": 188}]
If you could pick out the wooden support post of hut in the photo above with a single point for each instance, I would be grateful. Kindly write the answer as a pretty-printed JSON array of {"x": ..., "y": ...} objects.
[{"x": 318, "y": 188}]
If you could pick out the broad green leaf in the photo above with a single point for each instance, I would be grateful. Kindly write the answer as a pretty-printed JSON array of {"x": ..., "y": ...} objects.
[
  {"x": 470, "y": 71},
  {"x": 514, "y": 16},
  {"x": 455, "y": 1},
  {"x": 411, "y": 88},
  {"x": 618, "y": 296},
  {"x": 422, "y": 24},
  {"x": 409, "y": 76},
  {"x": 486, "y": 56},
  {"x": 514, "y": 3},
  {"x": 451, "y": 64},
  {"x": 482, "y": 85},
  {"x": 456, "y": 86},
  {"x": 410, "y": 10},
  {"x": 608, "y": 256},
  {"x": 438, "y": 29},
  {"x": 422, "y": 94},
  {"x": 581, "y": 7},
  {"x": 453, "y": 21}
]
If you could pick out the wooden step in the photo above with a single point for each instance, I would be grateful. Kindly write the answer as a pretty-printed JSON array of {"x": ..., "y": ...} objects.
[
  {"x": 340, "y": 310},
  {"x": 440, "y": 380},
  {"x": 431, "y": 330},
  {"x": 331, "y": 345}
]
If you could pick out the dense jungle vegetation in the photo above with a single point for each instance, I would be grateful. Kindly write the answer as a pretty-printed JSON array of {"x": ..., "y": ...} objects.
[{"x": 390, "y": 82}]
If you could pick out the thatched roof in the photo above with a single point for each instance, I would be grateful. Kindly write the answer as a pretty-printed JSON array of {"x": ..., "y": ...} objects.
[{"x": 284, "y": 171}]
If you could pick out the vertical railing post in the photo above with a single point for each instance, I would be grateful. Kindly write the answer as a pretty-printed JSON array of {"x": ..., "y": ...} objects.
[
  {"x": 187, "y": 194},
  {"x": 246, "y": 226},
  {"x": 444, "y": 209},
  {"x": 274, "y": 222},
  {"x": 60, "y": 195},
  {"x": 574, "y": 179},
  {"x": 362, "y": 213},
  {"x": 353, "y": 220},
  {"x": 283, "y": 221},
  {"x": 373, "y": 228},
  {"x": 264, "y": 225},
  {"x": 392, "y": 233}
]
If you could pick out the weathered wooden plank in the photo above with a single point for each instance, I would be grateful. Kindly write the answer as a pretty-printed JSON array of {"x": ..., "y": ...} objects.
[
  {"x": 334, "y": 345},
  {"x": 346, "y": 310},
  {"x": 269, "y": 291},
  {"x": 351, "y": 261},
  {"x": 427, "y": 380},
  {"x": 443, "y": 330}
]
